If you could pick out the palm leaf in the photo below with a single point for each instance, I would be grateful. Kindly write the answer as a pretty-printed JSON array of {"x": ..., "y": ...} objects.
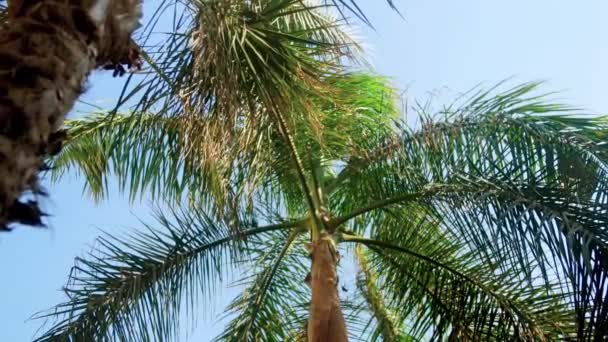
[
  {"x": 442, "y": 287},
  {"x": 519, "y": 180},
  {"x": 243, "y": 67},
  {"x": 271, "y": 306},
  {"x": 214, "y": 68},
  {"x": 133, "y": 289},
  {"x": 149, "y": 154}
]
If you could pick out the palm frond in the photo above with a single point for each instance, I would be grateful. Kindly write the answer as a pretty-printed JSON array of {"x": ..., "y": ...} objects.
[
  {"x": 214, "y": 67},
  {"x": 134, "y": 289},
  {"x": 148, "y": 153},
  {"x": 135, "y": 149},
  {"x": 560, "y": 236},
  {"x": 271, "y": 306},
  {"x": 440, "y": 286},
  {"x": 520, "y": 180},
  {"x": 359, "y": 112},
  {"x": 242, "y": 65}
]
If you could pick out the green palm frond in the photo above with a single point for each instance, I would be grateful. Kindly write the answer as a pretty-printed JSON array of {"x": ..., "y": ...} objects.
[
  {"x": 519, "y": 180},
  {"x": 133, "y": 289},
  {"x": 440, "y": 286},
  {"x": 271, "y": 306},
  {"x": 147, "y": 153},
  {"x": 359, "y": 114},
  {"x": 133, "y": 148},
  {"x": 460, "y": 302},
  {"x": 246, "y": 68},
  {"x": 240, "y": 59}
]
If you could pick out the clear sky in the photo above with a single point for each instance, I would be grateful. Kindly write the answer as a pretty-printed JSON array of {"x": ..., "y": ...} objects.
[{"x": 443, "y": 47}]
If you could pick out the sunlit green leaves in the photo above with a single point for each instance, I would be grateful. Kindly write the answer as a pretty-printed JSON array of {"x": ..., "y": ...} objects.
[
  {"x": 489, "y": 220},
  {"x": 517, "y": 179},
  {"x": 150, "y": 154},
  {"x": 357, "y": 112}
]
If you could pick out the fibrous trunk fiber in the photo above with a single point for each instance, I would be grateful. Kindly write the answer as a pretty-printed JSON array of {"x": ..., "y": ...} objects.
[
  {"x": 47, "y": 50},
  {"x": 43, "y": 66}
]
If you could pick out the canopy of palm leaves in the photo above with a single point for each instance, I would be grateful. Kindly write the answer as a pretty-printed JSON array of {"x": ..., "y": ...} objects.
[{"x": 485, "y": 222}]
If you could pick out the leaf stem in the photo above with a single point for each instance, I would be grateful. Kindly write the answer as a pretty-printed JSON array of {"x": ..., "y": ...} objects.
[{"x": 373, "y": 206}]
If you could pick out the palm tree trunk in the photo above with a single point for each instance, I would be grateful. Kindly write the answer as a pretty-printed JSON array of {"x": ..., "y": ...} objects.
[
  {"x": 326, "y": 322},
  {"x": 47, "y": 51},
  {"x": 43, "y": 66}
]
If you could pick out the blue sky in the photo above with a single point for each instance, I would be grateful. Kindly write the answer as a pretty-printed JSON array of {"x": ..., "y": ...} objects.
[{"x": 440, "y": 49}]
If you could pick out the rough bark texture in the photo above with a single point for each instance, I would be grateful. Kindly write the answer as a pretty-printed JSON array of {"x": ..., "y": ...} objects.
[
  {"x": 47, "y": 50},
  {"x": 326, "y": 322},
  {"x": 117, "y": 47}
]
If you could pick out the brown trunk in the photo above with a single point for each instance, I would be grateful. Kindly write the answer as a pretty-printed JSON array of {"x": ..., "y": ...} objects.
[
  {"x": 44, "y": 60},
  {"x": 326, "y": 322},
  {"x": 47, "y": 50}
]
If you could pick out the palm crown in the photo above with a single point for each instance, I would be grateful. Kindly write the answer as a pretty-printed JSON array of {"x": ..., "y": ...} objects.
[{"x": 486, "y": 221}]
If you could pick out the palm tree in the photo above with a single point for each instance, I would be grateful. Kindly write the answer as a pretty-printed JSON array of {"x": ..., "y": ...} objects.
[{"x": 275, "y": 161}]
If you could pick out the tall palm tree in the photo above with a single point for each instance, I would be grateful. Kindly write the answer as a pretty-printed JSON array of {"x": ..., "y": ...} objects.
[{"x": 486, "y": 222}]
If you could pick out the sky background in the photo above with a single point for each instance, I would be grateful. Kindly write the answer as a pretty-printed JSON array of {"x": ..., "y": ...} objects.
[{"x": 441, "y": 49}]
